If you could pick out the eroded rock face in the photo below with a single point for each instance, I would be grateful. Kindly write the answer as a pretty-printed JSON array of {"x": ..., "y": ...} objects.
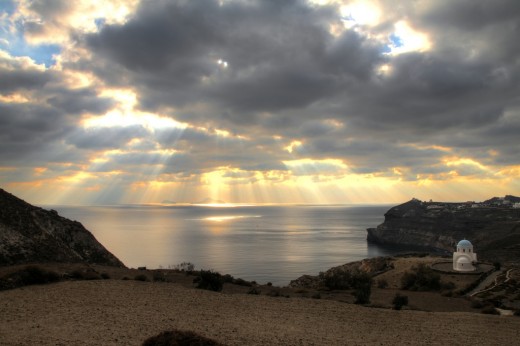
[
  {"x": 494, "y": 230},
  {"x": 31, "y": 234}
]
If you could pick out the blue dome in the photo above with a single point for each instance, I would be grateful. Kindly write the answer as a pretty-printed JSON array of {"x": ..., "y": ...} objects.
[{"x": 464, "y": 244}]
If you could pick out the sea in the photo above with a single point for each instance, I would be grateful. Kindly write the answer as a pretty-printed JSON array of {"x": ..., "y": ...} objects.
[{"x": 264, "y": 243}]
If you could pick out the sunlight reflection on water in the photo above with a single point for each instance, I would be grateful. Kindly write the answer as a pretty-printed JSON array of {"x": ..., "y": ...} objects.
[{"x": 262, "y": 243}]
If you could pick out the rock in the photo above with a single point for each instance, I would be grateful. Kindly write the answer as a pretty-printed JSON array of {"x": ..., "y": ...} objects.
[
  {"x": 494, "y": 230},
  {"x": 30, "y": 234}
]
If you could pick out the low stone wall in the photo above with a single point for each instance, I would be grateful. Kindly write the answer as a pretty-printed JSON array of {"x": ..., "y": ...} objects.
[{"x": 446, "y": 267}]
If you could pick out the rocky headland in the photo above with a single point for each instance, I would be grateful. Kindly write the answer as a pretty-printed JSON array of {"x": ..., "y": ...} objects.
[
  {"x": 30, "y": 234},
  {"x": 493, "y": 226}
]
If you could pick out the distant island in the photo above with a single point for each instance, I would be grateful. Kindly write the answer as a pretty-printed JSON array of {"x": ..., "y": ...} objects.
[{"x": 493, "y": 226}]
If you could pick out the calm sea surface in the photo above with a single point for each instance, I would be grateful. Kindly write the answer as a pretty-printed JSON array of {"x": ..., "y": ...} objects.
[{"x": 262, "y": 243}]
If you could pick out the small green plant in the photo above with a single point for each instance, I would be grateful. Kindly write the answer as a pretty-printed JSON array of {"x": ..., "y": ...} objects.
[
  {"x": 209, "y": 280},
  {"x": 399, "y": 301}
]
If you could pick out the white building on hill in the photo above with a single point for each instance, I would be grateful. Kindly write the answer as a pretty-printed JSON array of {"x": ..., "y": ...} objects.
[{"x": 464, "y": 259}]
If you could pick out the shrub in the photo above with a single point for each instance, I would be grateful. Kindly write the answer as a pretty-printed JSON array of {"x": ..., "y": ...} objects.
[
  {"x": 338, "y": 280},
  {"x": 105, "y": 276},
  {"x": 33, "y": 275},
  {"x": 141, "y": 277},
  {"x": 316, "y": 296},
  {"x": 421, "y": 278},
  {"x": 210, "y": 280},
  {"x": 447, "y": 293},
  {"x": 382, "y": 283},
  {"x": 186, "y": 267},
  {"x": 276, "y": 293},
  {"x": 497, "y": 265},
  {"x": 254, "y": 291},
  {"x": 490, "y": 310},
  {"x": 399, "y": 301},
  {"x": 228, "y": 278},
  {"x": 362, "y": 284},
  {"x": 269, "y": 284},
  {"x": 159, "y": 276},
  {"x": 85, "y": 274},
  {"x": 343, "y": 280},
  {"x": 516, "y": 313},
  {"x": 242, "y": 282},
  {"x": 476, "y": 304},
  {"x": 447, "y": 285},
  {"x": 179, "y": 338}
]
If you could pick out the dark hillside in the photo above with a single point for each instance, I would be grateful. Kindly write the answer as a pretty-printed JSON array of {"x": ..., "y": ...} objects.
[{"x": 31, "y": 234}]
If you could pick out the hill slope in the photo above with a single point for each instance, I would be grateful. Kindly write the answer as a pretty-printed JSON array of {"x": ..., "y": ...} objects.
[{"x": 32, "y": 234}]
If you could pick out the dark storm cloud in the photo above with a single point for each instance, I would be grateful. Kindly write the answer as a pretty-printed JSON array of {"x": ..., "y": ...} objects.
[
  {"x": 279, "y": 54},
  {"x": 15, "y": 80},
  {"x": 80, "y": 101},
  {"x": 472, "y": 14},
  {"x": 26, "y": 130},
  {"x": 33, "y": 128},
  {"x": 283, "y": 73},
  {"x": 105, "y": 137}
]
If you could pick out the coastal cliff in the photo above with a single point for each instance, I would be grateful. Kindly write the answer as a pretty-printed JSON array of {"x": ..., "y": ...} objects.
[
  {"x": 493, "y": 227},
  {"x": 31, "y": 234}
]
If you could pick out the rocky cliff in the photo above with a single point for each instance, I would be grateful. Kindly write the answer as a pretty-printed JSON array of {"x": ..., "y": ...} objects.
[
  {"x": 493, "y": 230},
  {"x": 30, "y": 234}
]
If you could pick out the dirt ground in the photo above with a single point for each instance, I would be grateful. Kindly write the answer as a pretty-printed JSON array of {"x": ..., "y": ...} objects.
[
  {"x": 126, "y": 312},
  {"x": 123, "y": 311}
]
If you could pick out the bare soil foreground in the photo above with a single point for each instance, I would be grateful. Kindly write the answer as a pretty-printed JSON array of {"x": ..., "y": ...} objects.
[{"x": 126, "y": 312}]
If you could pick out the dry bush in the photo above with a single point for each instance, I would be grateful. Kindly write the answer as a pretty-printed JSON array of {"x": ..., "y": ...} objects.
[{"x": 179, "y": 338}]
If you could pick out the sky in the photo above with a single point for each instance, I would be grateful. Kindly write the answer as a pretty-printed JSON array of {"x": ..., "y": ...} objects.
[{"x": 242, "y": 101}]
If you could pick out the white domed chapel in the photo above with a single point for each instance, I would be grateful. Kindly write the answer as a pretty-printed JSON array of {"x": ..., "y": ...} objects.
[{"x": 464, "y": 259}]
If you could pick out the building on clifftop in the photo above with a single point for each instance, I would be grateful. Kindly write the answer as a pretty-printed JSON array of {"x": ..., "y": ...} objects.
[{"x": 464, "y": 259}]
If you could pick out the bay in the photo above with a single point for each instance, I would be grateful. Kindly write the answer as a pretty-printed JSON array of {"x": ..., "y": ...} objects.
[{"x": 266, "y": 243}]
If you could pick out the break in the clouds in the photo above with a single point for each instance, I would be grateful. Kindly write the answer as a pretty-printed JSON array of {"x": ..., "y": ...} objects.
[{"x": 259, "y": 101}]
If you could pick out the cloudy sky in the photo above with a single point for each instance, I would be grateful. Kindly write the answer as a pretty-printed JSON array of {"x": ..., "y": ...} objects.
[{"x": 243, "y": 101}]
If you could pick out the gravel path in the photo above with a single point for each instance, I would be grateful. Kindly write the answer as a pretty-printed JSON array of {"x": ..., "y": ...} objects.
[{"x": 113, "y": 312}]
